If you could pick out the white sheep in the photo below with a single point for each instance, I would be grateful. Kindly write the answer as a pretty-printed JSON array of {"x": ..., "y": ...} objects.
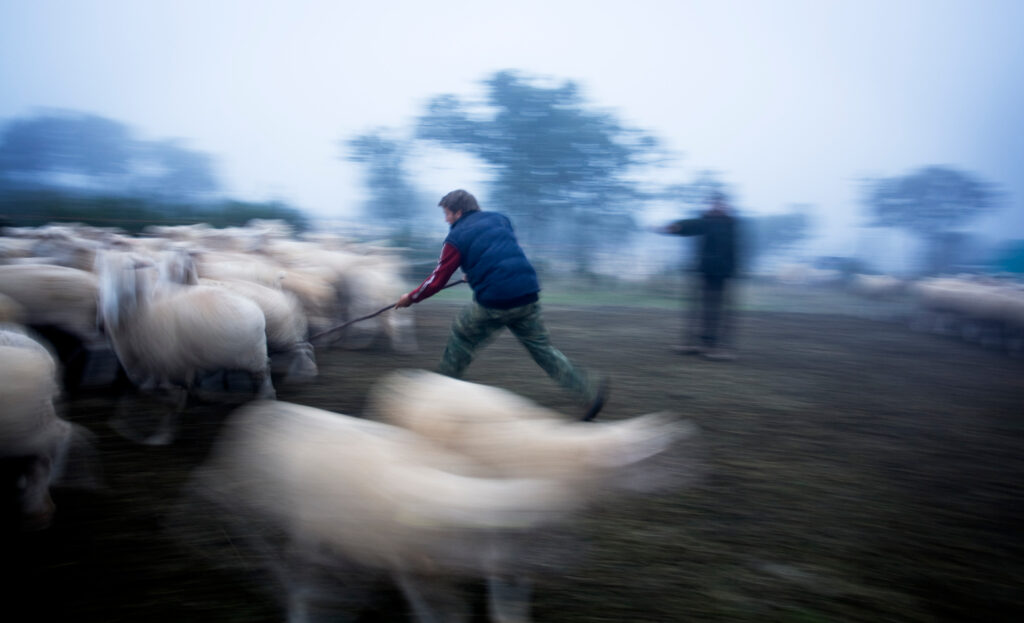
[
  {"x": 993, "y": 314},
  {"x": 11, "y": 310},
  {"x": 515, "y": 437},
  {"x": 358, "y": 283},
  {"x": 165, "y": 336},
  {"x": 12, "y": 248},
  {"x": 805, "y": 274},
  {"x": 877, "y": 286},
  {"x": 364, "y": 283},
  {"x": 180, "y": 233},
  {"x": 319, "y": 297},
  {"x": 16, "y": 335},
  {"x": 232, "y": 265},
  {"x": 510, "y": 436},
  {"x": 975, "y": 308},
  {"x": 1013, "y": 318},
  {"x": 68, "y": 248},
  {"x": 368, "y": 286},
  {"x": 33, "y": 439},
  {"x": 59, "y": 296},
  {"x": 360, "y": 495},
  {"x": 286, "y": 324},
  {"x": 316, "y": 293}
]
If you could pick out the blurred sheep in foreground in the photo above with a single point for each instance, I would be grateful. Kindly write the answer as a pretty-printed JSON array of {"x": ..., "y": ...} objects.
[
  {"x": 511, "y": 436},
  {"x": 339, "y": 503},
  {"x": 35, "y": 444}
]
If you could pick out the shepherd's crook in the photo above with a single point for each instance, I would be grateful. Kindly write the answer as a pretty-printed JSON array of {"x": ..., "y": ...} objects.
[{"x": 368, "y": 316}]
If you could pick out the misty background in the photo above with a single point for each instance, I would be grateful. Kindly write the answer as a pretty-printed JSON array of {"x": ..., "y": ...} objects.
[{"x": 882, "y": 135}]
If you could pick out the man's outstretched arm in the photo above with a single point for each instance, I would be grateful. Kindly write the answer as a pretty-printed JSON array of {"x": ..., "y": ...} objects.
[
  {"x": 685, "y": 227},
  {"x": 446, "y": 267}
]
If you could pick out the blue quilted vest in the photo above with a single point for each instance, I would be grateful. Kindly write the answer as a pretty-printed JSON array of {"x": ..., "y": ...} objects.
[{"x": 493, "y": 261}]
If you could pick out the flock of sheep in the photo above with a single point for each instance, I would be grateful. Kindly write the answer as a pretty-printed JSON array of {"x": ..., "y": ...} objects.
[
  {"x": 983, "y": 309},
  {"x": 445, "y": 480}
]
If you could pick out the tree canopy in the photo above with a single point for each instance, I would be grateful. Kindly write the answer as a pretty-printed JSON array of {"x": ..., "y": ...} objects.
[
  {"x": 63, "y": 166},
  {"x": 554, "y": 159},
  {"x": 930, "y": 201},
  {"x": 86, "y": 153},
  {"x": 770, "y": 234},
  {"x": 697, "y": 194},
  {"x": 394, "y": 198},
  {"x": 933, "y": 203}
]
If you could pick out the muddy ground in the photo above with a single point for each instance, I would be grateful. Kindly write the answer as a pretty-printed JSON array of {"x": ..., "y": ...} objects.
[{"x": 854, "y": 471}]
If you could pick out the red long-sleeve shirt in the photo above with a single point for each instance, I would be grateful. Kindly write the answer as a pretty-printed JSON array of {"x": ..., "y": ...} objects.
[{"x": 446, "y": 267}]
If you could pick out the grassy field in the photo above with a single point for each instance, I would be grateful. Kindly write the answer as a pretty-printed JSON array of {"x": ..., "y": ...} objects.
[{"x": 848, "y": 469}]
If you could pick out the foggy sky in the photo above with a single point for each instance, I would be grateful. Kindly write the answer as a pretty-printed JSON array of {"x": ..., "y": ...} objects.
[{"x": 793, "y": 101}]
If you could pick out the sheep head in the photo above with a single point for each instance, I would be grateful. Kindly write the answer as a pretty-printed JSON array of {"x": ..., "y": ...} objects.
[{"x": 121, "y": 288}]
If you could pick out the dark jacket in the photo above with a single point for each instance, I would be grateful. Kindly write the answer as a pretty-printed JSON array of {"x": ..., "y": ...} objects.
[
  {"x": 716, "y": 250},
  {"x": 494, "y": 263}
]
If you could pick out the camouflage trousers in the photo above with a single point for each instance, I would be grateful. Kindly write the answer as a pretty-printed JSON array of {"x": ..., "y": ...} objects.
[{"x": 476, "y": 326}]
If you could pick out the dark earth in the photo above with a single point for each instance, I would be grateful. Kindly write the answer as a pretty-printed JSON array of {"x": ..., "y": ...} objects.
[{"x": 854, "y": 470}]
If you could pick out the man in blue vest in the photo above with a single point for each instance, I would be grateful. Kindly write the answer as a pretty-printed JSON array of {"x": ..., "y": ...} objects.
[{"x": 505, "y": 294}]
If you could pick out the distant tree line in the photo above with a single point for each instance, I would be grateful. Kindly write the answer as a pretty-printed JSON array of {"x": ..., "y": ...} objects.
[
  {"x": 34, "y": 208},
  {"x": 569, "y": 175},
  {"x": 62, "y": 166}
]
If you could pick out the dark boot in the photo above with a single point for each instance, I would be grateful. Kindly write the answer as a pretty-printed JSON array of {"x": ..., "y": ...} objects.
[{"x": 598, "y": 403}]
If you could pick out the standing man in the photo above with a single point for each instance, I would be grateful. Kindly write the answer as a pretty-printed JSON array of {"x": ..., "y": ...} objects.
[
  {"x": 709, "y": 325},
  {"x": 505, "y": 294}
]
